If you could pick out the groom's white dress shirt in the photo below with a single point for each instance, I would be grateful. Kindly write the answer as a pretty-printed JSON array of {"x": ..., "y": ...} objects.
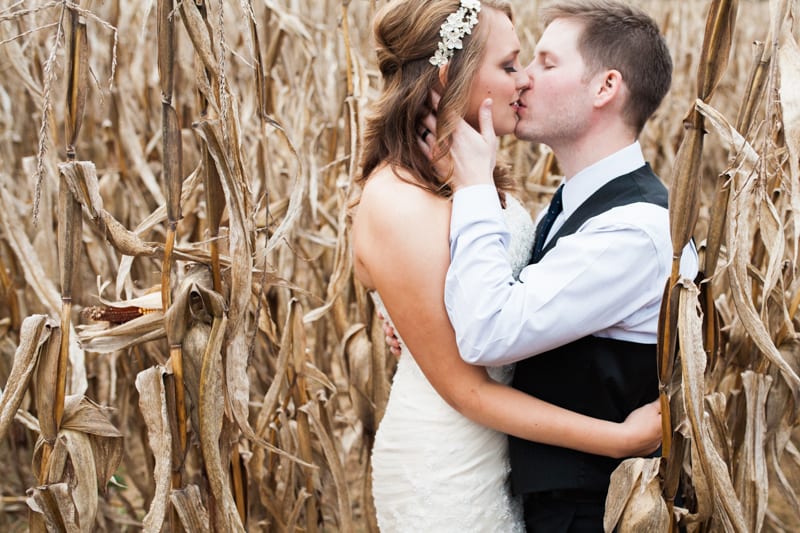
[{"x": 606, "y": 279}]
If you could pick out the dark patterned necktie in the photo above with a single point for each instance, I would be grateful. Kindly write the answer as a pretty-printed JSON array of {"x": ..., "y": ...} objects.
[{"x": 546, "y": 223}]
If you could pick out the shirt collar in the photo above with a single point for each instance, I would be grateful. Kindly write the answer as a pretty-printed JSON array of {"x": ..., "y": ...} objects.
[{"x": 583, "y": 184}]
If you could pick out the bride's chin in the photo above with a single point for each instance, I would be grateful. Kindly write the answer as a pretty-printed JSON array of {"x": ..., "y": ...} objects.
[{"x": 504, "y": 129}]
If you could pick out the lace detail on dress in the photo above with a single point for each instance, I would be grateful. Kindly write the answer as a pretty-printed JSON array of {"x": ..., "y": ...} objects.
[
  {"x": 522, "y": 230},
  {"x": 434, "y": 469}
]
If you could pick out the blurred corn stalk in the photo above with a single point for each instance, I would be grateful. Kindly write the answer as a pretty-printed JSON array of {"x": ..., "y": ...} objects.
[
  {"x": 225, "y": 409},
  {"x": 728, "y": 357}
]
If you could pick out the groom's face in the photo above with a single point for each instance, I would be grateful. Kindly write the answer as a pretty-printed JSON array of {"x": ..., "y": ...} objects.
[{"x": 558, "y": 104}]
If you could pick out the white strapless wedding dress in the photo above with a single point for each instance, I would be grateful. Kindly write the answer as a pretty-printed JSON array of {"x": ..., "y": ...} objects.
[{"x": 434, "y": 470}]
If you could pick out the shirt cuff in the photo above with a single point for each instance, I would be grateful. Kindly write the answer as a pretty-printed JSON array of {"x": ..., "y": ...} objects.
[{"x": 473, "y": 204}]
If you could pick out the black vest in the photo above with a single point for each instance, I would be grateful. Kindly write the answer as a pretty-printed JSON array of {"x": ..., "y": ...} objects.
[{"x": 602, "y": 378}]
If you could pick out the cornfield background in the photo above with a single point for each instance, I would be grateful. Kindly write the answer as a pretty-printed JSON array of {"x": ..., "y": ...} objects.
[{"x": 182, "y": 342}]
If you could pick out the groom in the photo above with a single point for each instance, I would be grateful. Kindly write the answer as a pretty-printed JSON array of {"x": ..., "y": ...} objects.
[{"x": 581, "y": 321}]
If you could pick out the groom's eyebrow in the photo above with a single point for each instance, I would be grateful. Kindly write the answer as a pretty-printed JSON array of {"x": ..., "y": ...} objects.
[{"x": 544, "y": 54}]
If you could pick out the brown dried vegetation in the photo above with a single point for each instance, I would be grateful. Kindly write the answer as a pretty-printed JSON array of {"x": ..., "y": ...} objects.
[{"x": 182, "y": 342}]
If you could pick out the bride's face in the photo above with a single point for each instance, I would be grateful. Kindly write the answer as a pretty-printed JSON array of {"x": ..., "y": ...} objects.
[{"x": 500, "y": 75}]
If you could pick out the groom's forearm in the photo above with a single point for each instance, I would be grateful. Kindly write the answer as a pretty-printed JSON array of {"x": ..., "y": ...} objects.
[{"x": 480, "y": 278}]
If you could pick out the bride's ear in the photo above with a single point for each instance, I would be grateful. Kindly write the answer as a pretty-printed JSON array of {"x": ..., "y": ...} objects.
[{"x": 443, "y": 77}]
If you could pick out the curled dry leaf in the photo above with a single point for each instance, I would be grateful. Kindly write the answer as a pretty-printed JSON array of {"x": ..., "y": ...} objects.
[
  {"x": 33, "y": 336},
  {"x": 789, "y": 65},
  {"x": 750, "y": 467},
  {"x": 211, "y": 411},
  {"x": 727, "y": 507},
  {"x": 54, "y": 503},
  {"x": 634, "y": 501},
  {"x": 153, "y": 406},
  {"x": 188, "y": 503}
]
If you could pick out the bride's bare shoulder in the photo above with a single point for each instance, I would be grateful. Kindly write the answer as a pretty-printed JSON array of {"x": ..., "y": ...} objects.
[
  {"x": 392, "y": 192},
  {"x": 396, "y": 217}
]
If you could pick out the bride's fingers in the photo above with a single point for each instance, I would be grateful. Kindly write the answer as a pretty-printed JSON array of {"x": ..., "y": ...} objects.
[
  {"x": 435, "y": 98},
  {"x": 429, "y": 123},
  {"x": 424, "y": 147}
]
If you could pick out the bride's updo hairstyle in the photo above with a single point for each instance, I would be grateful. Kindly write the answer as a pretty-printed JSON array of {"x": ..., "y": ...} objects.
[{"x": 406, "y": 34}]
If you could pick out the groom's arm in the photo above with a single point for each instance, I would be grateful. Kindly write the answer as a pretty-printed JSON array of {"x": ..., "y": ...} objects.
[{"x": 478, "y": 262}]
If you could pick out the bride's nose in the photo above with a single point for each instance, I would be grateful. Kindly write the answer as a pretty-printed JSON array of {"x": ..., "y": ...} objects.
[
  {"x": 528, "y": 71},
  {"x": 523, "y": 80}
]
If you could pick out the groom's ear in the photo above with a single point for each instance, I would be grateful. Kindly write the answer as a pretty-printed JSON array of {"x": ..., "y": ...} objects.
[{"x": 609, "y": 86}]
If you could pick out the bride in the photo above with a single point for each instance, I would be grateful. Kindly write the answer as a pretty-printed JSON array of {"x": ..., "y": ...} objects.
[{"x": 440, "y": 456}]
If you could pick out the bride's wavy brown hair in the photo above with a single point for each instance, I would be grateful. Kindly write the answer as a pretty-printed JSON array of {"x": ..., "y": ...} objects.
[{"x": 406, "y": 34}]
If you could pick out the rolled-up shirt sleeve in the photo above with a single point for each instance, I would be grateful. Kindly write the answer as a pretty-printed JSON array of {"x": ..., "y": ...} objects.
[{"x": 478, "y": 258}]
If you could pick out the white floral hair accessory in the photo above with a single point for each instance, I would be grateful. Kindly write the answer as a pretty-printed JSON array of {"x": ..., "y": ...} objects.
[{"x": 454, "y": 29}]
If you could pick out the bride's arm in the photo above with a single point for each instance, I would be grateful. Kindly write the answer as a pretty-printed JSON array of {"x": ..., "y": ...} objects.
[{"x": 403, "y": 243}]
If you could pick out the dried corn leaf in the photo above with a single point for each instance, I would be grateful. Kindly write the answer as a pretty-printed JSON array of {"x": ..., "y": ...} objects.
[
  {"x": 54, "y": 503},
  {"x": 130, "y": 144},
  {"x": 742, "y": 151},
  {"x": 380, "y": 373},
  {"x": 33, "y": 335},
  {"x": 85, "y": 416},
  {"x": 784, "y": 485},
  {"x": 719, "y": 432},
  {"x": 25, "y": 254},
  {"x": 745, "y": 156},
  {"x": 293, "y": 211},
  {"x": 15, "y": 58},
  {"x": 774, "y": 239},
  {"x": 237, "y": 380},
  {"x": 634, "y": 502},
  {"x": 739, "y": 234},
  {"x": 342, "y": 270},
  {"x": 46, "y": 376},
  {"x": 357, "y": 352},
  {"x": 278, "y": 382},
  {"x": 789, "y": 66},
  {"x": 693, "y": 361},
  {"x": 750, "y": 468},
  {"x": 200, "y": 35},
  {"x": 77, "y": 78},
  {"x": 83, "y": 482},
  {"x": 327, "y": 441},
  {"x": 211, "y": 412},
  {"x": 188, "y": 503},
  {"x": 81, "y": 177},
  {"x": 153, "y": 407},
  {"x": 288, "y": 21}
]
